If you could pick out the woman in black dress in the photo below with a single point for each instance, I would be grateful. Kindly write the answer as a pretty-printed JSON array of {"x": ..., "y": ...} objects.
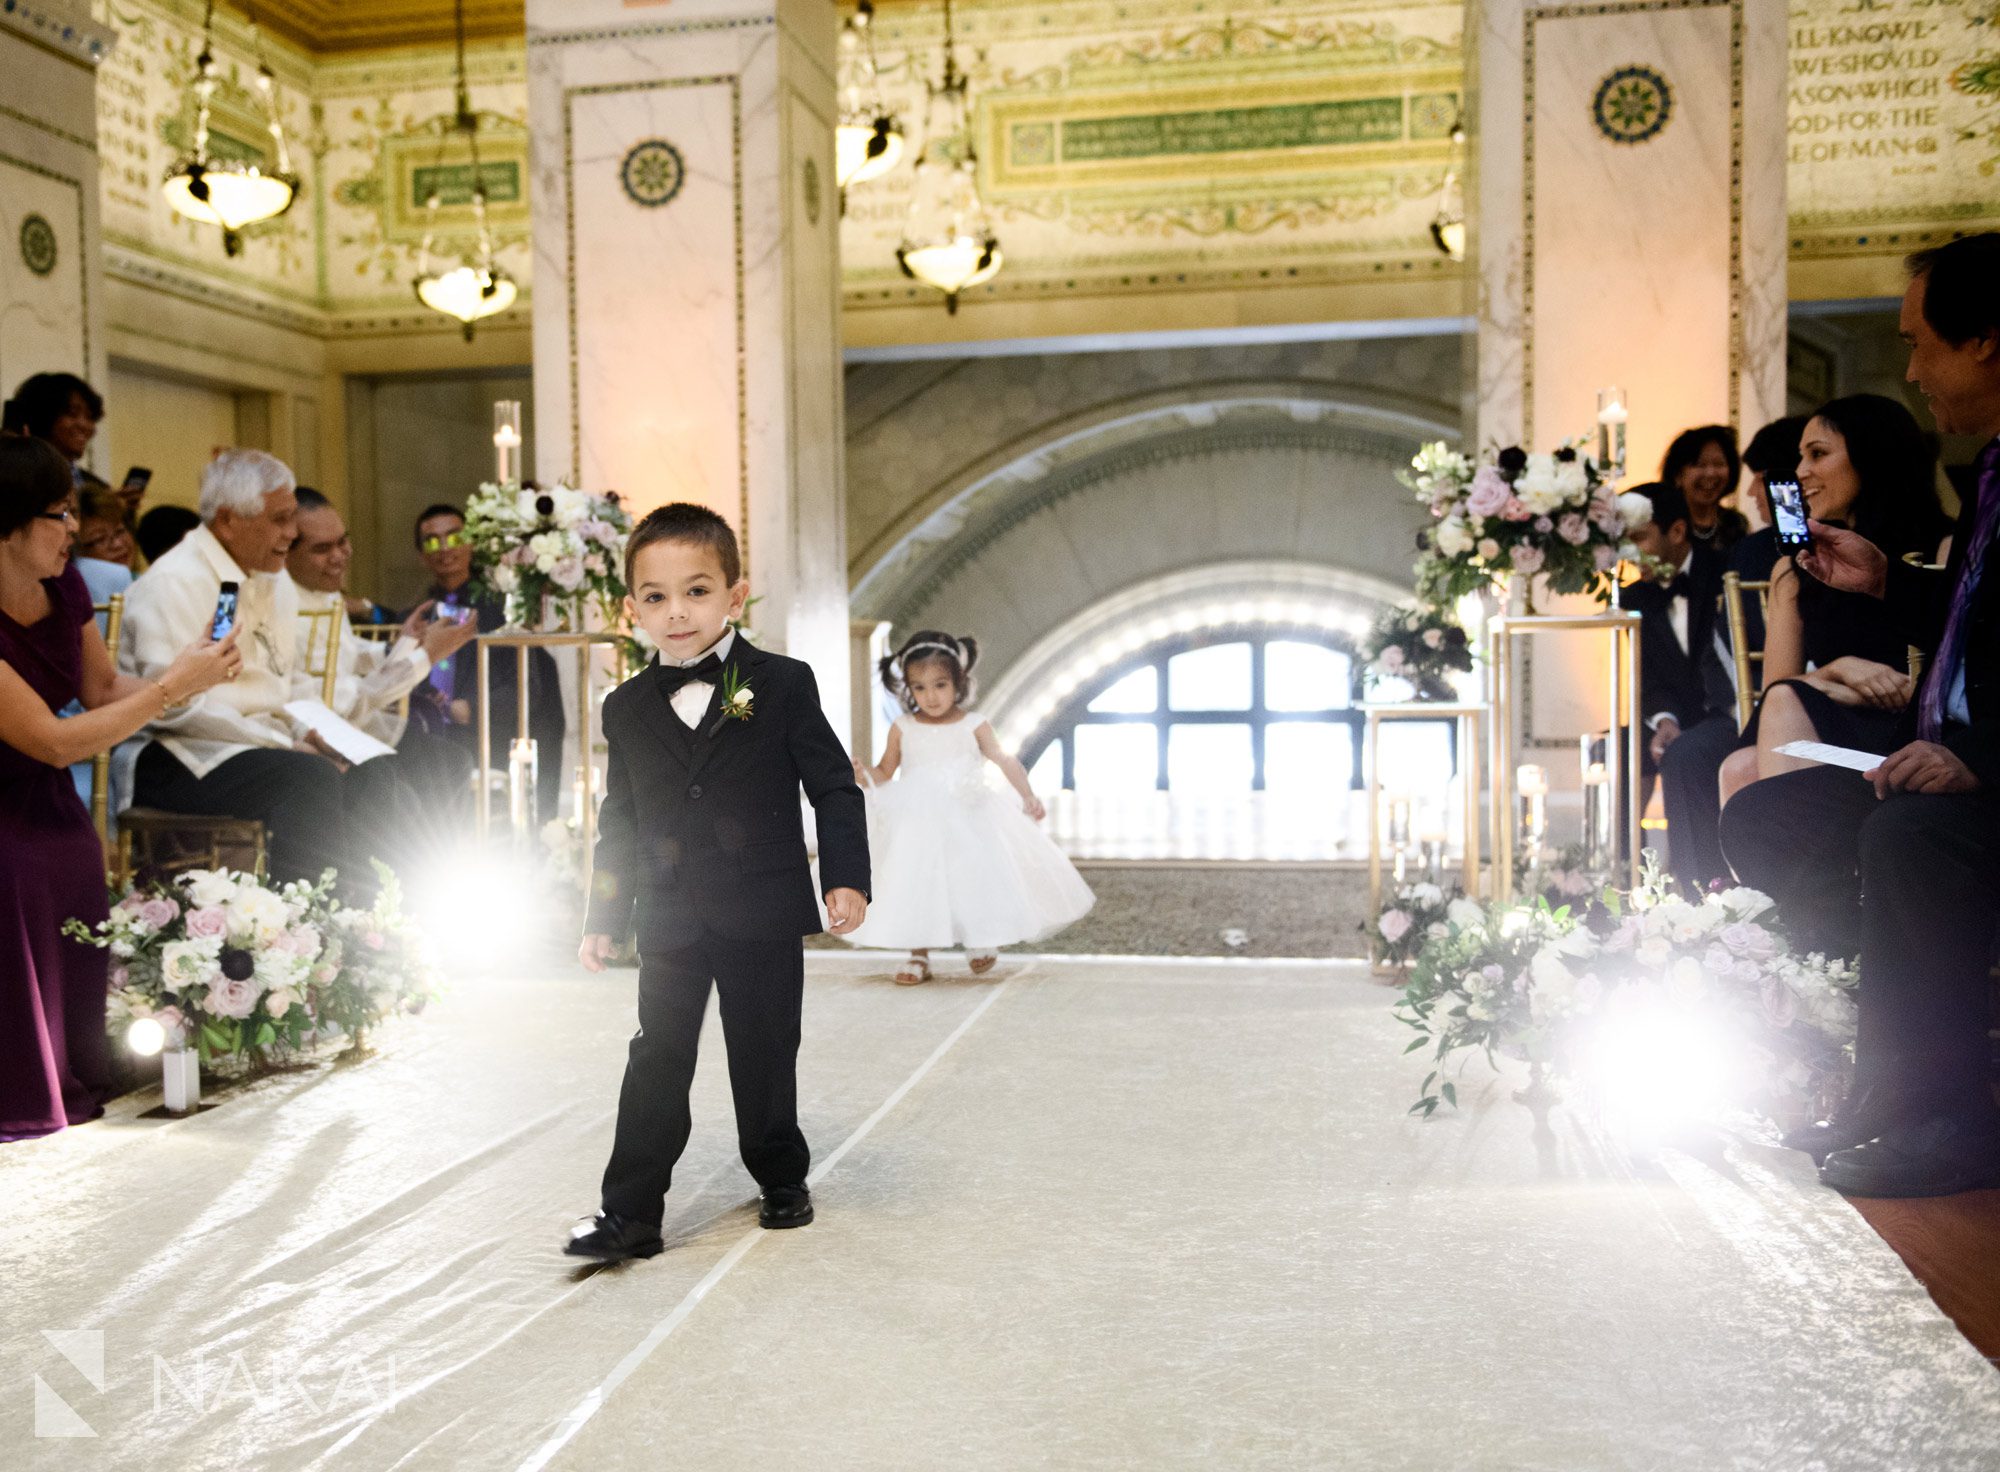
[
  {"x": 1834, "y": 670},
  {"x": 54, "y": 1068}
]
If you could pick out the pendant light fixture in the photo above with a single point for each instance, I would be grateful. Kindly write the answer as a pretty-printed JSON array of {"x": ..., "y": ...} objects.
[
  {"x": 869, "y": 139},
  {"x": 948, "y": 242},
  {"x": 476, "y": 288},
  {"x": 1448, "y": 224},
  {"x": 231, "y": 193}
]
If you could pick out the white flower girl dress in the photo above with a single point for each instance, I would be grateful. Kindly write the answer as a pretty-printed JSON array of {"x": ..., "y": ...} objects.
[{"x": 956, "y": 862}]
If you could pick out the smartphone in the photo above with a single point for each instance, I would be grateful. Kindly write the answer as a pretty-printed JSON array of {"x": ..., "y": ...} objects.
[
  {"x": 136, "y": 480},
  {"x": 225, "y": 613},
  {"x": 1788, "y": 515}
]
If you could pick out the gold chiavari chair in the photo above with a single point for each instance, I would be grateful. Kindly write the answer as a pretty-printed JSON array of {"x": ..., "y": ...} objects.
[
  {"x": 386, "y": 634},
  {"x": 321, "y": 655},
  {"x": 1915, "y": 657},
  {"x": 1733, "y": 589},
  {"x": 100, "y": 765}
]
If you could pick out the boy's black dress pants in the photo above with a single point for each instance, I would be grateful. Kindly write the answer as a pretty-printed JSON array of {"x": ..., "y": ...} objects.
[{"x": 761, "y": 985}]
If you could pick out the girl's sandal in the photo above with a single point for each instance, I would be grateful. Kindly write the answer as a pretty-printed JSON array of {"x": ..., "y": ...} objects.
[
  {"x": 982, "y": 962},
  {"x": 913, "y": 971}
]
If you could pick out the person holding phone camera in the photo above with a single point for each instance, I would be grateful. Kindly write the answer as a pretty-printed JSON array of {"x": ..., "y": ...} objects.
[
  {"x": 53, "y": 1065},
  {"x": 235, "y": 751},
  {"x": 1902, "y": 862},
  {"x": 1834, "y": 669}
]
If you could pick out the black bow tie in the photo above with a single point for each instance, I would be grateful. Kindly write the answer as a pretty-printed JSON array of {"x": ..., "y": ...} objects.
[
  {"x": 672, "y": 676},
  {"x": 1681, "y": 587}
]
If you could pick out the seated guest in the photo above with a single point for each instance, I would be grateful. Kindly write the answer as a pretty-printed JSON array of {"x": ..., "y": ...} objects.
[
  {"x": 54, "y": 1069},
  {"x": 360, "y": 609},
  {"x": 1903, "y": 861},
  {"x": 1684, "y": 687},
  {"x": 1772, "y": 454},
  {"x": 161, "y": 529},
  {"x": 234, "y": 752},
  {"x": 104, "y": 547},
  {"x": 64, "y": 410},
  {"x": 1702, "y": 464},
  {"x": 454, "y": 680},
  {"x": 1834, "y": 669},
  {"x": 374, "y": 677}
]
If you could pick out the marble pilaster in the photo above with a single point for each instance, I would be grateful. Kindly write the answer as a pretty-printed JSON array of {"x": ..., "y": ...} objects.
[{"x": 686, "y": 283}]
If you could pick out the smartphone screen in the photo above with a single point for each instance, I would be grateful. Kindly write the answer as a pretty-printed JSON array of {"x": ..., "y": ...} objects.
[
  {"x": 137, "y": 478},
  {"x": 225, "y": 613},
  {"x": 1788, "y": 514}
]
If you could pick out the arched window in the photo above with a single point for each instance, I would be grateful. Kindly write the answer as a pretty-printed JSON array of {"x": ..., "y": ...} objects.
[{"x": 1214, "y": 714}]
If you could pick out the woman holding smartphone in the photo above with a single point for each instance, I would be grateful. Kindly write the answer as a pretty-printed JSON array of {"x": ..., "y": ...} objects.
[
  {"x": 54, "y": 1068},
  {"x": 1834, "y": 669}
]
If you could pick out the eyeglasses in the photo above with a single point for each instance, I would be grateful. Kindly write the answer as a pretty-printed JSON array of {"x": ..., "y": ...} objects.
[
  {"x": 66, "y": 516},
  {"x": 444, "y": 543}
]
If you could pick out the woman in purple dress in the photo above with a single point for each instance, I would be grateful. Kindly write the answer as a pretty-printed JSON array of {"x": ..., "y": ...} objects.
[{"x": 54, "y": 1068}]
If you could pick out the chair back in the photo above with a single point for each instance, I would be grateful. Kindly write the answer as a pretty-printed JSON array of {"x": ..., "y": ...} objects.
[
  {"x": 100, "y": 765},
  {"x": 1733, "y": 589},
  {"x": 1914, "y": 657},
  {"x": 322, "y": 651},
  {"x": 386, "y": 634}
]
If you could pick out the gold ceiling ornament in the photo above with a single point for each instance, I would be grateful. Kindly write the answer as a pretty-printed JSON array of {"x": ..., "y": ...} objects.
[
  {"x": 326, "y": 27},
  {"x": 231, "y": 193},
  {"x": 1448, "y": 224},
  {"x": 475, "y": 288},
  {"x": 869, "y": 139},
  {"x": 948, "y": 240}
]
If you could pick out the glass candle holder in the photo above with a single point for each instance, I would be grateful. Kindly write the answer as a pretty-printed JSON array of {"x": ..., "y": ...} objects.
[
  {"x": 507, "y": 441},
  {"x": 1531, "y": 788},
  {"x": 1612, "y": 415},
  {"x": 523, "y": 762},
  {"x": 1599, "y": 808}
]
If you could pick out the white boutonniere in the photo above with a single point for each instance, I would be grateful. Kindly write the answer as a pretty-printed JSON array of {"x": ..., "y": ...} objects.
[{"x": 738, "y": 700}]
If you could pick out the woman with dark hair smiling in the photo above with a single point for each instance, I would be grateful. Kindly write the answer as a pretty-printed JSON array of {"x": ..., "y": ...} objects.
[
  {"x": 53, "y": 1065},
  {"x": 1705, "y": 465},
  {"x": 1834, "y": 669}
]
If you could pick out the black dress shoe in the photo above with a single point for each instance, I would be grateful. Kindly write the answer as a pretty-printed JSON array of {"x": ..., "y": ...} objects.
[
  {"x": 1939, "y": 1155},
  {"x": 1862, "y": 1117},
  {"x": 785, "y": 1206},
  {"x": 610, "y": 1237}
]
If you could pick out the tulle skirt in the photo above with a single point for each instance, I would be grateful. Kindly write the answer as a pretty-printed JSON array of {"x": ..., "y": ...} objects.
[{"x": 959, "y": 864}]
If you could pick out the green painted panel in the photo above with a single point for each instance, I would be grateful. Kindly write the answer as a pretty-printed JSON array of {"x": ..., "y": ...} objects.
[
  {"x": 453, "y": 183},
  {"x": 1348, "y": 122}
]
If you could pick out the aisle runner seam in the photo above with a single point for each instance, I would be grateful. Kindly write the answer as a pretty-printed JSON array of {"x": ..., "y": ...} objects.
[{"x": 594, "y": 1400}]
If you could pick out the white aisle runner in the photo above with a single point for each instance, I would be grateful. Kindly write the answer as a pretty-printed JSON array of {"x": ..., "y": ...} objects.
[{"x": 1128, "y": 1215}]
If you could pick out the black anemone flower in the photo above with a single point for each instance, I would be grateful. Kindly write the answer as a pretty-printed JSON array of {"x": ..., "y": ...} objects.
[
  {"x": 1566, "y": 454},
  {"x": 545, "y": 505},
  {"x": 237, "y": 964},
  {"x": 1512, "y": 461}
]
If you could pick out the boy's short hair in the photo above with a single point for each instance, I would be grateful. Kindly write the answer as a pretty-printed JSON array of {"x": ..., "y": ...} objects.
[
  {"x": 683, "y": 521},
  {"x": 436, "y": 508},
  {"x": 1670, "y": 503}
]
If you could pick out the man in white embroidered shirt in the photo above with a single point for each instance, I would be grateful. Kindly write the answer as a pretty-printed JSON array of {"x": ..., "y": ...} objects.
[
  {"x": 233, "y": 751},
  {"x": 374, "y": 675}
]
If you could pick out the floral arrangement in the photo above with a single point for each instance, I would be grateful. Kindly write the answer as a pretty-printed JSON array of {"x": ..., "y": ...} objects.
[
  {"x": 1414, "y": 916},
  {"x": 237, "y": 969},
  {"x": 1542, "y": 982},
  {"x": 556, "y": 544},
  {"x": 1420, "y": 647},
  {"x": 1558, "y": 516}
]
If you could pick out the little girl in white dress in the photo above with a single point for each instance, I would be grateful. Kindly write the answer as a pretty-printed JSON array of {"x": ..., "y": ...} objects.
[{"x": 956, "y": 862}]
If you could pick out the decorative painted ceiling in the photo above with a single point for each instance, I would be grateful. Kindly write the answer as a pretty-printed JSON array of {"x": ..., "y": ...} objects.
[{"x": 325, "y": 26}]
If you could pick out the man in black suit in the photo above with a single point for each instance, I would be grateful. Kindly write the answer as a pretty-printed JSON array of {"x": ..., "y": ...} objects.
[
  {"x": 1684, "y": 686},
  {"x": 700, "y": 834},
  {"x": 1903, "y": 862}
]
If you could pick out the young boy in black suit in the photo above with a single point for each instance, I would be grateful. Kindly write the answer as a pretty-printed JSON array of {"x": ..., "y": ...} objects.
[{"x": 700, "y": 833}]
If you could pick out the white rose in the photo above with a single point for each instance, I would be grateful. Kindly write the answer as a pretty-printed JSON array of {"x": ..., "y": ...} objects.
[
  {"x": 260, "y": 912},
  {"x": 207, "y": 887},
  {"x": 281, "y": 1001},
  {"x": 185, "y": 963},
  {"x": 1452, "y": 539},
  {"x": 1427, "y": 894},
  {"x": 1654, "y": 950},
  {"x": 505, "y": 578},
  {"x": 1743, "y": 902},
  {"x": 1635, "y": 509},
  {"x": 1464, "y": 914},
  {"x": 1572, "y": 483}
]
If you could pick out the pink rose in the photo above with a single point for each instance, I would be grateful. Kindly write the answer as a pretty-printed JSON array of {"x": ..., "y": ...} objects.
[
  {"x": 120, "y": 976},
  {"x": 1489, "y": 492},
  {"x": 170, "y": 1018},
  {"x": 1395, "y": 925},
  {"x": 1573, "y": 529},
  {"x": 1526, "y": 559},
  {"x": 1605, "y": 558},
  {"x": 228, "y": 997},
  {"x": 159, "y": 913},
  {"x": 1781, "y": 1008},
  {"x": 1515, "y": 510},
  {"x": 372, "y": 939},
  {"x": 132, "y": 903},
  {"x": 211, "y": 921},
  {"x": 1604, "y": 511},
  {"x": 1544, "y": 525},
  {"x": 1489, "y": 550},
  {"x": 1747, "y": 939},
  {"x": 1391, "y": 658}
]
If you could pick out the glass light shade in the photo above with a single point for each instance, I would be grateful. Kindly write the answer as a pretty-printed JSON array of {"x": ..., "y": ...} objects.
[
  {"x": 237, "y": 194},
  {"x": 953, "y": 265},
  {"x": 1448, "y": 234},
  {"x": 864, "y": 151},
  {"x": 463, "y": 292}
]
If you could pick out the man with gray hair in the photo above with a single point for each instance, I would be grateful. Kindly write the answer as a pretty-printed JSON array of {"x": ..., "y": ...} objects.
[{"x": 233, "y": 751}]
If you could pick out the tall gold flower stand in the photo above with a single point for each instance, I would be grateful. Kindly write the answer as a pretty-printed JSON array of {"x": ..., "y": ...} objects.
[{"x": 1469, "y": 719}]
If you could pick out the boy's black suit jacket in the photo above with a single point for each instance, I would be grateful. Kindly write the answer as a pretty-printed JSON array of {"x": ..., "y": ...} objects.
[
  {"x": 701, "y": 828},
  {"x": 1687, "y": 684}
]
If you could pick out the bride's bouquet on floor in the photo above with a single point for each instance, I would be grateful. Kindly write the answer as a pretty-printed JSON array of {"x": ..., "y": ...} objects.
[
  {"x": 1557, "y": 516},
  {"x": 549, "y": 548},
  {"x": 249, "y": 972},
  {"x": 1638, "y": 998}
]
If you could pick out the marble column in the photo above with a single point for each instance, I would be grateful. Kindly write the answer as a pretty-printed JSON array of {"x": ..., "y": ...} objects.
[
  {"x": 51, "y": 266},
  {"x": 686, "y": 306},
  {"x": 1629, "y": 228}
]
